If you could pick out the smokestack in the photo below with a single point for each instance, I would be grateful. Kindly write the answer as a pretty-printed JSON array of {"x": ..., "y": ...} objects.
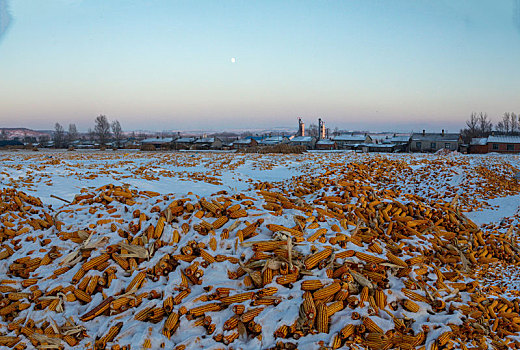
[
  {"x": 423, "y": 132},
  {"x": 301, "y": 127},
  {"x": 321, "y": 129}
]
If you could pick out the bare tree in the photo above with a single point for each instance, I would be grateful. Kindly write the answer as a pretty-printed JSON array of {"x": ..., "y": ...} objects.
[
  {"x": 58, "y": 136},
  {"x": 513, "y": 120},
  {"x": 43, "y": 138},
  {"x": 472, "y": 124},
  {"x": 102, "y": 129},
  {"x": 73, "y": 133},
  {"x": 506, "y": 120},
  {"x": 118, "y": 132},
  {"x": 471, "y": 129},
  {"x": 313, "y": 130},
  {"x": 484, "y": 125},
  {"x": 509, "y": 124},
  {"x": 4, "y": 135}
]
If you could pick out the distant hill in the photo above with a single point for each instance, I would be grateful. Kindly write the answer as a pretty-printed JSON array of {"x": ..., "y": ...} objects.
[{"x": 12, "y": 133}]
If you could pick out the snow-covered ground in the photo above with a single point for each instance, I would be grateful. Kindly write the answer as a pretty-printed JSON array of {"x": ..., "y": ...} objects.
[{"x": 100, "y": 203}]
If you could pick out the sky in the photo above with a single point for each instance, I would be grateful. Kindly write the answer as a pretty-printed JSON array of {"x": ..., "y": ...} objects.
[{"x": 398, "y": 65}]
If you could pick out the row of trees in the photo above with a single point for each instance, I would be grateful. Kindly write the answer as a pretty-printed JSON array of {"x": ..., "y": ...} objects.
[
  {"x": 479, "y": 125},
  {"x": 103, "y": 132}
]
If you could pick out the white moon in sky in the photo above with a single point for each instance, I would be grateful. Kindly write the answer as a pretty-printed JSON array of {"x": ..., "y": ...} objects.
[{"x": 233, "y": 59}]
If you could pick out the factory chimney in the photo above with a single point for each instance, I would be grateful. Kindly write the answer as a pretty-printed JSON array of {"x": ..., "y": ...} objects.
[
  {"x": 321, "y": 129},
  {"x": 301, "y": 127}
]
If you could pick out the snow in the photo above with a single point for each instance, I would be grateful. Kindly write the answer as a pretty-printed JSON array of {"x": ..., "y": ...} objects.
[{"x": 477, "y": 183}]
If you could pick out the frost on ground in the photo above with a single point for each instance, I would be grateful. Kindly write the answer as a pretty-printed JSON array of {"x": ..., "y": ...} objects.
[{"x": 214, "y": 250}]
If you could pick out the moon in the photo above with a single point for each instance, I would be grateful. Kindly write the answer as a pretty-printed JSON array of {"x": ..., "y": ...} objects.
[{"x": 233, "y": 59}]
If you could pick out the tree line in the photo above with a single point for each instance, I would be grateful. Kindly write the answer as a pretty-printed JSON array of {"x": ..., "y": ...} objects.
[
  {"x": 479, "y": 125},
  {"x": 103, "y": 132}
]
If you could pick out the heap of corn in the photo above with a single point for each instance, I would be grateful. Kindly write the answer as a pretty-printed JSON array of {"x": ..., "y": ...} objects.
[{"x": 327, "y": 261}]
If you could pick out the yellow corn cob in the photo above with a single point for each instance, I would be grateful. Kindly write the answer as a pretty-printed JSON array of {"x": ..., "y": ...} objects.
[
  {"x": 159, "y": 228},
  {"x": 334, "y": 307},
  {"x": 200, "y": 310},
  {"x": 168, "y": 304},
  {"x": 231, "y": 323},
  {"x": 221, "y": 221},
  {"x": 94, "y": 262},
  {"x": 311, "y": 285},
  {"x": 410, "y": 306},
  {"x": 363, "y": 296},
  {"x": 314, "y": 259},
  {"x": 286, "y": 279},
  {"x": 345, "y": 254},
  {"x": 395, "y": 260},
  {"x": 237, "y": 298},
  {"x": 81, "y": 295},
  {"x": 84, "y": 283},
  {"x": 120, "y": 302},
  {"x": 111, "y": 334},
  {"x": 371, "y": 325},
  {"x": 267, "y": 276},
  {"x": 369, "y": 258},
  {"x": 380, "y": 298},
  {"x": 136, "y": 282},
  {"x": 238, "y": 214},
  {"x": 444, "y": 338},
  {"x": 9, "y": 341},
  {"x": 78, "y": 276},
  {"x": 336, "y": 342},
  {"x": 170, "y": 324},
  {"x": 249, "y": 315},
  {"x": 277, "y": 228},
  {"x": 207, "y": 256},
  {"x": 415, "y": 296},
  {"x": 92, "y": 284},
  {"x": 322, "y": 320},
  {"x": 375, "y": 248},
  {"x": 317, "y": 234},
  {"x": 239, "y": 309},
  {"x": 327, "y": 291},
  {"x": 347, "y": 331}
]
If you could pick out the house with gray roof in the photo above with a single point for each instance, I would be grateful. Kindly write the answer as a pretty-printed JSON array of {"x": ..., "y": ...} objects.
[
  {"x": 351, "y": 141},
  {"x": 275, "y": 140},
  {"x": 184, "y": 142},
  {"x": 208, "y": 143},
  {"x": 503, "y": 144},
  {"x": 308, "y": 142},
  {"x": 326, "y": 144},
  {"x": 478, "y": 145},
  {"x": 432, "y": 142},
  {"x": 400, "y": 143},
  {"x": 244, "y": 143}
]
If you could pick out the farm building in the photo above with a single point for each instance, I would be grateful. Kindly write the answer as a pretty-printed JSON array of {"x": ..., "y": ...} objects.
[
  {"x": 478, "y": 145},
  {"x": 308, "y": 141},
  {"x": 208, "y": 143},
  {"x": 244, "y": 143},
  {"x": 432, "y": 142},
  {"x": 350, "y": 141},
  {"x": 326, "y": 144},
  {"x": 503, "y": 144},
  {"x": 184, "y": 143},
  {"x": 157, "y": 143},
  {"x": 275, "y": 140},
  {"x": 401, "y": 143},
  {"x": 377, "y": 147}
]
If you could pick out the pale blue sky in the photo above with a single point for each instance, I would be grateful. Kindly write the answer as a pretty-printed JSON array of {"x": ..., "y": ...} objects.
[{"x": 371, "y": 64}]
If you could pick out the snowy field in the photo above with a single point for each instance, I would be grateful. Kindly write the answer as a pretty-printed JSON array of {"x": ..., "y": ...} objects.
[{"x": 208, "y": 250}]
